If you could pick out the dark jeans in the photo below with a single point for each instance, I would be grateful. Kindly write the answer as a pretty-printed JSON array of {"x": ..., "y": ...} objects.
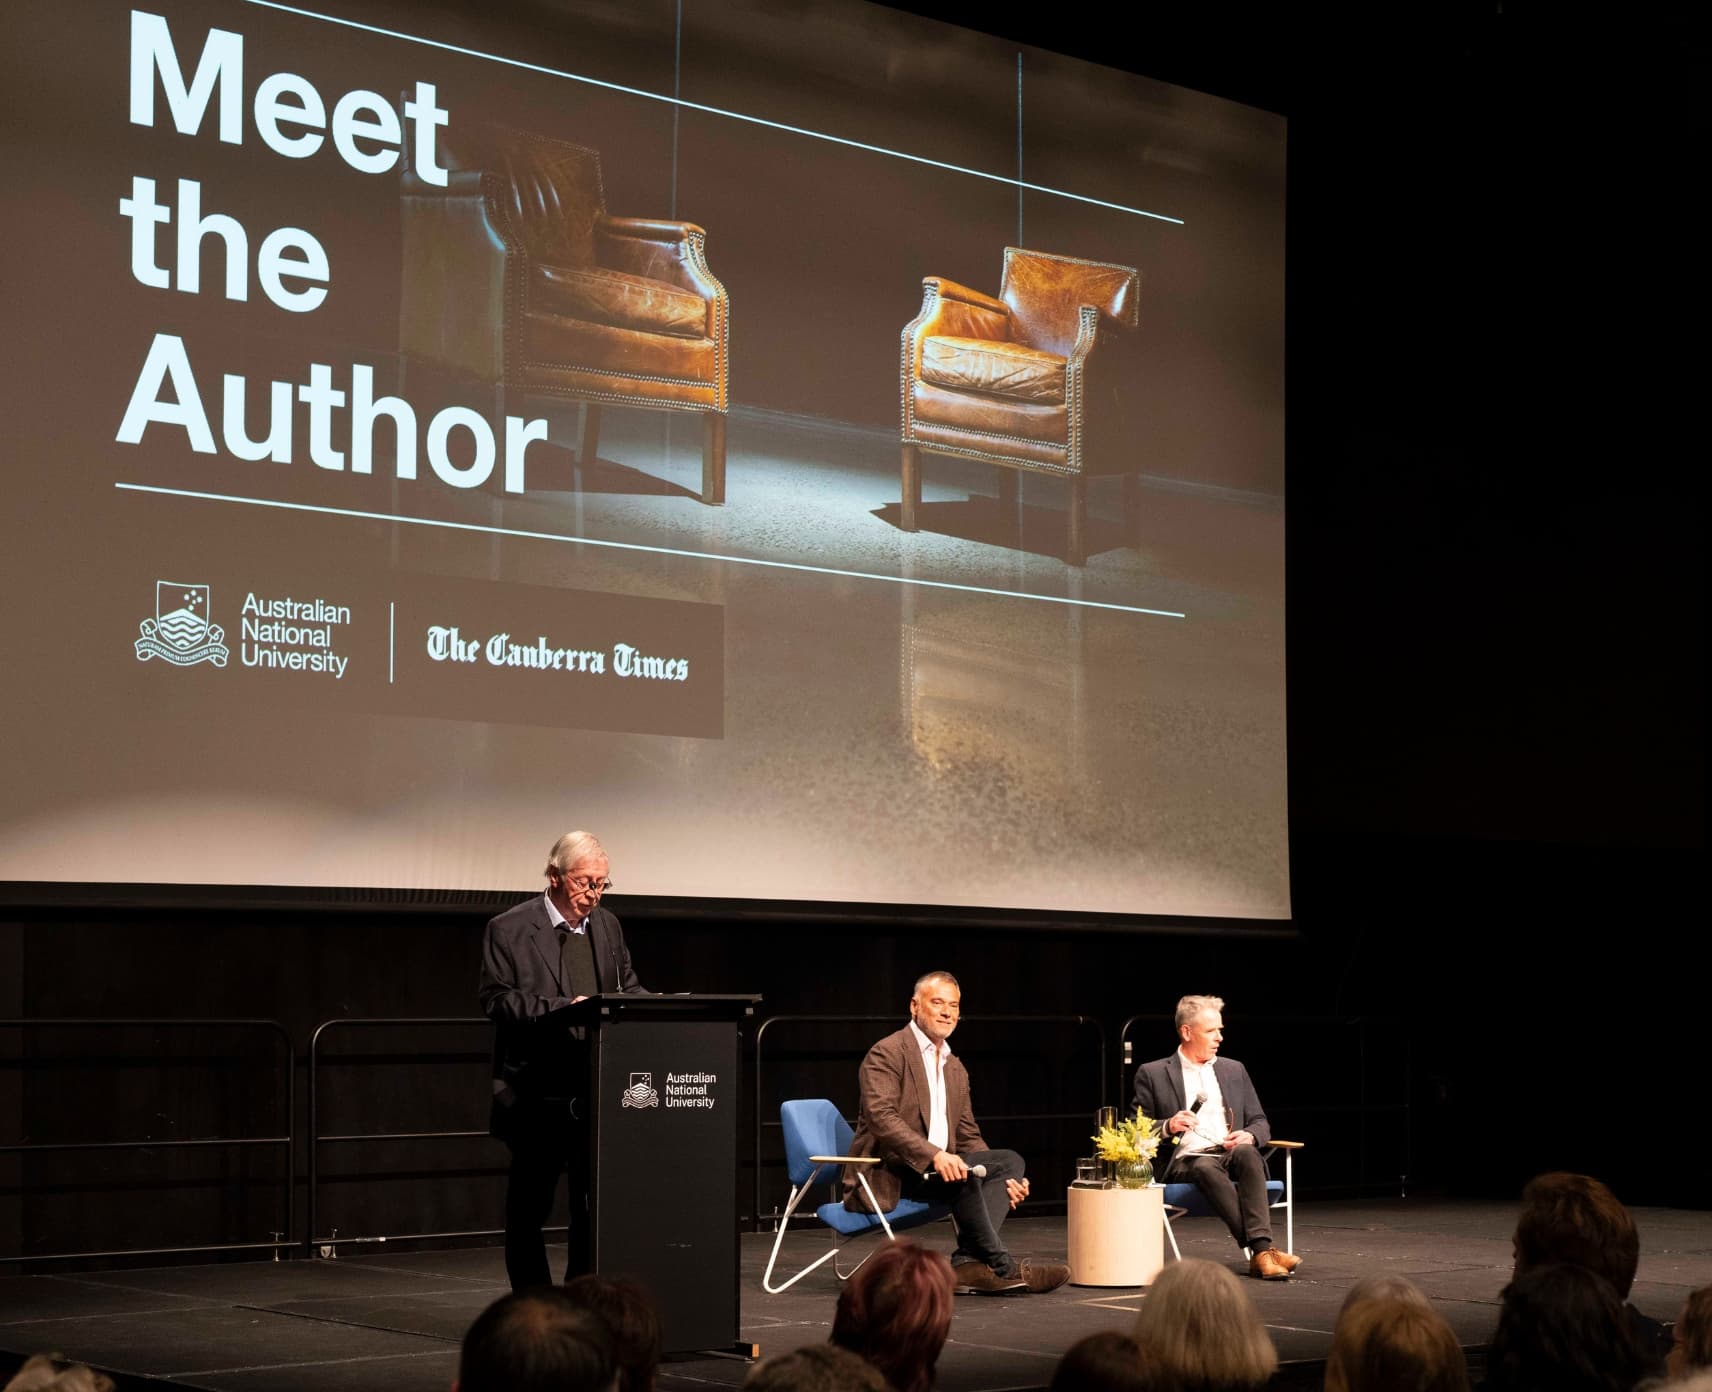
[
  {"x": 1234, "y": 1183},
  {"x": 546, "y": 1142},
  {"x": 979, "y": 1206}
]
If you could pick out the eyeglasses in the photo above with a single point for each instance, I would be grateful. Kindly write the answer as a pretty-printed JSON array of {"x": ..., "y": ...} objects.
[{"x": 582, "y": 884}]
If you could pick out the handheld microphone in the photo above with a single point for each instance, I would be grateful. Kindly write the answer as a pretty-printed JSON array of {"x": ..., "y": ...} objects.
[
  {"x": 1194, "y": 1110},
  {"x": 979, "y": 1171}
]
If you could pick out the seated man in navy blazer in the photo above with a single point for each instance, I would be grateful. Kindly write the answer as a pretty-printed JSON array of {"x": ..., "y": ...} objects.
[
  {"x": 1215, "y": 1121},
  {"x": 538, "y": 959},
  {"x": 916, "y": 1116}
]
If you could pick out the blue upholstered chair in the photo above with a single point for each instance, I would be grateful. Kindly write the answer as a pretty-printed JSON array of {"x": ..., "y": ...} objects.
[
  {"x": 1187, "y": 1201},
  {"x": 818, "y": 1138}
]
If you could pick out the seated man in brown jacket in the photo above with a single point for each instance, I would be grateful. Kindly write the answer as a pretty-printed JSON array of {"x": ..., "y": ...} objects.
[{"x": 916, "y": 1117}]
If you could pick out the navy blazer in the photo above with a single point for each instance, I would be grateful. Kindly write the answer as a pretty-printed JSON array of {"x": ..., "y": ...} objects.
[
  {"x": 1159, "y": 1093},
  {"x": 536, "y": 1053}
]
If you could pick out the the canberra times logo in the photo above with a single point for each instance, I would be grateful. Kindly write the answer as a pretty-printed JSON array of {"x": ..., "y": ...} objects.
[
  {"x": 180, "y": 632},
  {"x": 641, "y": 1092}
]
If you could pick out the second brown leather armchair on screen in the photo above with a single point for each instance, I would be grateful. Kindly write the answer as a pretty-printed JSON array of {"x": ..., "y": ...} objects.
[
  {"x": 515, "y": 274},
  {"x": 1030, "y": 380}
]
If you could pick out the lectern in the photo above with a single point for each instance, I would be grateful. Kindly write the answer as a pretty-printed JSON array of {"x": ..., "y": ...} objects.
[{"x": 666, "y": 1074}]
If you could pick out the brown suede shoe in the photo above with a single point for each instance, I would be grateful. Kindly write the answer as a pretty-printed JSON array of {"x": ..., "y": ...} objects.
[
  {"x": 1041, "y": 1277},
  {"x": 977, "y": 1278},
  {"x": 1268, "y": 1264}
]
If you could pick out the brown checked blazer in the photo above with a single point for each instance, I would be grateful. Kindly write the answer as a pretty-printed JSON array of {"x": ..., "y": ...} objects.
[{"x": 895, "y": 1113}]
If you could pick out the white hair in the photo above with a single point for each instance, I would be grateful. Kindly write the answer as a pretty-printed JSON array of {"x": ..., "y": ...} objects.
[
  {"x": 1191, "y": 1006},
  {"x": 572, "y": 847}
]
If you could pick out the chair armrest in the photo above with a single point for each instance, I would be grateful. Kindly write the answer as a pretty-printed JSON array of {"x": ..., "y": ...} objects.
[
  {"x": 454, "y": 263},
  {"x": 844, "y": 1159},
  {"x": 650, "y": 229},
  {"x": 959, "y": 312},
  {"x": 951, "y": 290},
  {"x": 673, "y": 252},
  {"x": 1276, "y": 1144},
  {"x": 954, "y": 311}
]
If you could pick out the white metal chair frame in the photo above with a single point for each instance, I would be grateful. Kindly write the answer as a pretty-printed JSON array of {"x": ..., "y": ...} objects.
[
  {"x": 820, "y": 1162},
  {"x": 1287, "y": 1203}
]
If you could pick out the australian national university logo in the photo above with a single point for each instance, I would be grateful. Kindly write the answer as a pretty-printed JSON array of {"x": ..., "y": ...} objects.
[
  {"x": 180, "y": 632},
  {"x": 641, "y": 1092}
]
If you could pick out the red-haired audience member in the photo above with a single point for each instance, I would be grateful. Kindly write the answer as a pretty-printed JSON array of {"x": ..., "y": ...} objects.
[
  {"x": 896, "y": 1312},
  {"x": 537, "y": 1340},
  {"x": 1394, "y": 1341},
  {"x": 1103, "y": 1362},
  {"x": 1198, "y": 1332},
  {"x": 816, "y": 1368},
  {"x": 1563, "y": 1329},
  {"x": 46, "y": 1373},
  {"x": 1691, "y": 1349},
  {"x": 630, "y": 1318},
  {"x": 1574, "y": 1218}
]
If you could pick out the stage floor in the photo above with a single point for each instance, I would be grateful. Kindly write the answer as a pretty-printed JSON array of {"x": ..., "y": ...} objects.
[{"x": 388, "y": 1322}]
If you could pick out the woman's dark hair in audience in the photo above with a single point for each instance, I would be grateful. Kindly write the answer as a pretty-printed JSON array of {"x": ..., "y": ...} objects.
[
  {"x": 816, "y": 1368},
  {"x": 630, "y": 1317},
  {"x": 1392, "y": 1340},
  {"x": 1103, "y": 1362},
  {"x": 1692, "y": 1350},
  {"x": 1563, "y": 1328},
  {"x": 1574, "y": 1218},
  {"x": 1198, "y": 1331},
  {"x": 896, "y": 1312}
]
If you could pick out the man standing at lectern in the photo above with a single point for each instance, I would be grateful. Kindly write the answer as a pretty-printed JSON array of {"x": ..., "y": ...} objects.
[
  {"x": 916, "y": 1116},
  {"x": 1215, "y": 1123},
  {"x": 538, "y": 959}
]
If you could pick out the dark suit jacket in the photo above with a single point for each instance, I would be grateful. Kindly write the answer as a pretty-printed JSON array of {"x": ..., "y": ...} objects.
[
  {"x": 1159, "y": 1093},
  {"x": 897, "y": 1109},
  {"x": 523, "y": 991}
]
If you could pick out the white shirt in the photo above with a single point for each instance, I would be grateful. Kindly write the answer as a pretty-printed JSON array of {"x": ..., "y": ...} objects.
[
  {"x": 1210, "y": 1127},
  {"x": 933, "y": 1057},
  {"x": 556, "y": 918}
]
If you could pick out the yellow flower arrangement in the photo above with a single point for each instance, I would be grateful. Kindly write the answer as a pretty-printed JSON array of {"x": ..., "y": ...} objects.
[{"x": 1134, "y": 1139}]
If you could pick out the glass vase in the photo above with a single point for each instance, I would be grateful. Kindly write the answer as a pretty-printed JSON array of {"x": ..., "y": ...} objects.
[{"x": 1134, "y": 1174}]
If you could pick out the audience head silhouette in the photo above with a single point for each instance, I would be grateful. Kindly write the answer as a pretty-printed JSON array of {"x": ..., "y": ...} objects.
[
  {"x": 896, "y": 1312},
  {"x": 1103, "y": 1362},
  {"x": 816, "y": 1368},
  {"x": 1198, "y": 1331},
  {"x": 537, "y": 1340},
  {"x": 631, "y": 1320},
  {"x": 1389, "y": 1339},
  {"x": 1564, "y": 1328},
  {"x": 1574, "y": 1218}
]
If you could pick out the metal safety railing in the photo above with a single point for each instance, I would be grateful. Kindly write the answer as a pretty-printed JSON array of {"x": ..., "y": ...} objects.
[
  {"x": 288, "y": 1139},
  {"x": 313, "y": 1242},
  {"x": 762, "y": 1108}
]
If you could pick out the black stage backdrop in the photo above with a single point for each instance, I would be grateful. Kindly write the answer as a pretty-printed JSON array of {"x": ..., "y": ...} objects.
[{"x": 1496, "y": 668}]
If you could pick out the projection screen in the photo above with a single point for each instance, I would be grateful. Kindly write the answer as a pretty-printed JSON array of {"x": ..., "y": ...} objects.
[{"x": 435, "y": 427}]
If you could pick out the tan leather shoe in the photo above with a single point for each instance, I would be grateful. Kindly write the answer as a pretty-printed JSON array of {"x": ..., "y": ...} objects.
[
  {"x": 977, "y": 1278},
  {"x": 1041, "y": 1277},
  {"x": 1290, "y": 1259},
  {"x": 1268, "y": 1264}
]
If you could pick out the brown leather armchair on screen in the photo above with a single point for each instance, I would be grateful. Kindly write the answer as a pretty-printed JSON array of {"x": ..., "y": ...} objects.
[
  {"x": 514, "y": 273},
  {"x": 1032, "y": 380}
]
